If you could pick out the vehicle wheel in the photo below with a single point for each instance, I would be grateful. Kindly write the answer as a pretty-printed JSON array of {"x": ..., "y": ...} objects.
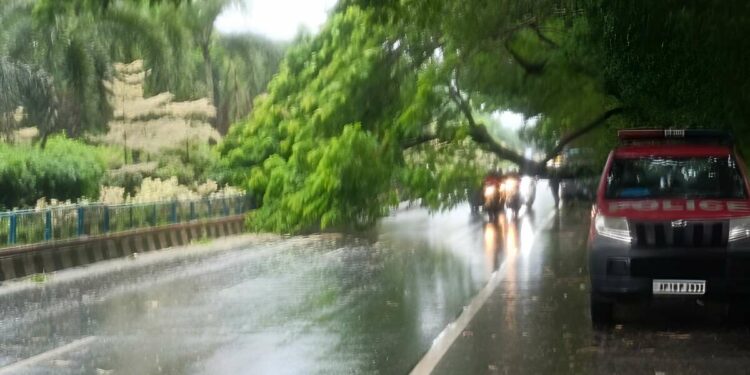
[{"x": 601, "y": 313}]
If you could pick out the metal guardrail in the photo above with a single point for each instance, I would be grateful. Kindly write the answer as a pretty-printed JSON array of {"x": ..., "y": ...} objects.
[{"x": 25, "y": 227}]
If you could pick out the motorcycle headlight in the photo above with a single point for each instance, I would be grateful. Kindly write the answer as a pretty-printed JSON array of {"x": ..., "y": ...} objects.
[
  {"x": 613, "y": 227},
  {"x": 739, "y": 228},
  {"x": 489, "y": 191},
  {"x": 511, "y": 184}
]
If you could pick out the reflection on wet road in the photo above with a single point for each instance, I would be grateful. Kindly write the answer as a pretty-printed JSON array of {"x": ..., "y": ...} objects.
[
  {"x": 369, "y": 303},
  {"x": 365, "y": 303},
  {"x": 536, "y": 320}
]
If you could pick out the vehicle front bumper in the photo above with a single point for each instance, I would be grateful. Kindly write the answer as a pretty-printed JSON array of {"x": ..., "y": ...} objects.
[{"x": 619, "y": 272}]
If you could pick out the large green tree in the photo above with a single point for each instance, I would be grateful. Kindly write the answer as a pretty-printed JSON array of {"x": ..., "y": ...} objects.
[
  {"x": 675, "y": 63},
  {"x": 391, "y": 94},
  {"x": 75, "y": 43},
  {"x": 389, "y": 101},
  {"x": 76, "y": 48},
  {"x": 243, "y": 66},
  {"x": 23, "y": 86}
]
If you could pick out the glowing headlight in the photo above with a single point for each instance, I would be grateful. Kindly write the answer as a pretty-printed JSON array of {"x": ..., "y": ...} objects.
[
  {"x": 613, "y": 227},
  {"x": 511, "y": 184},
  {"x": 739, "y": 228},
  {"x": 489, "y": 191}
]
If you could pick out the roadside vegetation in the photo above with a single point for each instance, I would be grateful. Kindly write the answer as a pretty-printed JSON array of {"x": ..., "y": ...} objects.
[{"x": 110, "y": 94}]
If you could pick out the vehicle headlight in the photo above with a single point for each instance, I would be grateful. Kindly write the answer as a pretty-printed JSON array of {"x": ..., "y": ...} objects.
[
  {"x": 739, "y": 228},
  {"x": 511, "y": 184},
  {"x": 613, "y": 227},
  {"x": 489, "y": 191}
]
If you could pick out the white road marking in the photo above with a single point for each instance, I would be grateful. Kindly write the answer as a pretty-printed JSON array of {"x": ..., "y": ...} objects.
[
  {"x": 448, "y": 336},
  {"x": 15, "y": 367}
]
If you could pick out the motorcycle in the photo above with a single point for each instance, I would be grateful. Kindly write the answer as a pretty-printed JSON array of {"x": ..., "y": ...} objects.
[
  {"x": 512, "y": 193},
  {"x": 493, "y": 199}
]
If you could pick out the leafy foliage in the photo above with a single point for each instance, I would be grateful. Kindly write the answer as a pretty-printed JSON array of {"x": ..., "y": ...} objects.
[
  {"x": 422, "y": 85},
  {"x": 77, "y": 41},
  {"x": 23, "y": 86},
  {"x": 676, "y": 64},
  {"x": 76, "y": 49},
  {"x": 195, "y": 162},
  {"x": 312, "y": 146},
  {"x": 374, "y": 71},
  {"x": 65, "y": 169},
  {"x": 244, "y": 66}
]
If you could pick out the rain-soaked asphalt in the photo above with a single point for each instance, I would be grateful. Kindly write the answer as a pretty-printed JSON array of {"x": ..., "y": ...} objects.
[{"x": 366, "y": 303}]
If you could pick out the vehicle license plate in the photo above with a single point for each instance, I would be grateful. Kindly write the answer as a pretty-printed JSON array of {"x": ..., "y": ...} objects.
[{"x": 680, "y": 287}]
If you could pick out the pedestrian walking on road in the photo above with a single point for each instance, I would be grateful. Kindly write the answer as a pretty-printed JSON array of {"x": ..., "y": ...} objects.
[{"x": 554, "y": 185}]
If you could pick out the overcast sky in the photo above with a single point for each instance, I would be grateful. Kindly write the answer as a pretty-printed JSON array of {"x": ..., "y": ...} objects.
[{"x": 276, "y": 19}]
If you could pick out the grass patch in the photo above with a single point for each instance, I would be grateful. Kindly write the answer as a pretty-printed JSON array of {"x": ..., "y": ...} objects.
[{"x": 39, "y": 278}]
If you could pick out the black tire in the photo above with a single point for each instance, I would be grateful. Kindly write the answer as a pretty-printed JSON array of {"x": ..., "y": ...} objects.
[{"x": 601, "y": 312}]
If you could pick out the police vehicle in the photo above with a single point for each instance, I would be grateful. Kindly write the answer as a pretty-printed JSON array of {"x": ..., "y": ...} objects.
[{"x": 671, "y": 219}]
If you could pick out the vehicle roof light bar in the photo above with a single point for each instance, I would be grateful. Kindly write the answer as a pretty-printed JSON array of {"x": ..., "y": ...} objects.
[{"x": 685, "y": 135}]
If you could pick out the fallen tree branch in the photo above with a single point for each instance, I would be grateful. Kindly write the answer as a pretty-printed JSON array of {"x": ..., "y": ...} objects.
[
  {"x": 539, "y": 34},
  {"x": 418, "y": 141},
  {"x": 531, "y": 68},
  {"x": 583, "y": 130},
  {"x": 479, "y": 134}
]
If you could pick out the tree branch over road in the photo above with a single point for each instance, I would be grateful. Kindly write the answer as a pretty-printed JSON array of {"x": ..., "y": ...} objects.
[
  {"x": 599, "y": 121},
  {"x": 532, "y": 68},
  {"x": 480, "y": 135}
]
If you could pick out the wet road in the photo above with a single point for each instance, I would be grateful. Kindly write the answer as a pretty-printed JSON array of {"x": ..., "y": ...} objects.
[
  {"x": 536, "y": 319},
  {"x": 366, "y": 303}
]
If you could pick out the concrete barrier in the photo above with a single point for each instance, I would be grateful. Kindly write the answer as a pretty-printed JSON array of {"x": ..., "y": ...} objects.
[{"x": 27, "y": 260}]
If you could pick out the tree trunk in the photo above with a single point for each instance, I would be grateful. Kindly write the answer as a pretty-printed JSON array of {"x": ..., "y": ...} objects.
[{"x": 208, "y": 66}]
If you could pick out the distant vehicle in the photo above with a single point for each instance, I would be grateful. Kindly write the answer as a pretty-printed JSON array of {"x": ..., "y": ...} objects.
[
  {"x": 494, "y": 195},
  {"x": 578, "y": 175},
  {"x": 511, "y": 190},
  {"x": 672, "y": 219},
  {"x": 578, "y": 188}
]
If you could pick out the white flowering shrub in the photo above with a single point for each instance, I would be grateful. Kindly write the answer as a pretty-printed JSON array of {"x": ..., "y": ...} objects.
[
  {"x": 207, "y": 188},
  {"x": 227, "y": 191},
  {"x": 155, "y": 189},
  {"x": 112, "y": 195}
]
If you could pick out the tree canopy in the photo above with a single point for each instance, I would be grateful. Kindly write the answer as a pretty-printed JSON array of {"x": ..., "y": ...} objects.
[
  {"x": 389, "y": 101},
  {"x": 74, "y": 44}
]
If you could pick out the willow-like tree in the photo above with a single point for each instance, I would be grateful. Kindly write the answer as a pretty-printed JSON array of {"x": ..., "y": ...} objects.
[{"x": 76, "y": 49}]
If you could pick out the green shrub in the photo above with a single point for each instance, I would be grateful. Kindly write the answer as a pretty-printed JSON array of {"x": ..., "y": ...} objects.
[
  {"x": 112, "y": 156},
  {"x": 130, "y": 176},
  {"x": 65, "y": 170},
  {"x": 191, "y": 166}
]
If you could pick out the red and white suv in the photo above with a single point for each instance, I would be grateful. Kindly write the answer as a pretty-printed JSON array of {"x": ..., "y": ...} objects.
[{"x": 672, "y": 218}]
